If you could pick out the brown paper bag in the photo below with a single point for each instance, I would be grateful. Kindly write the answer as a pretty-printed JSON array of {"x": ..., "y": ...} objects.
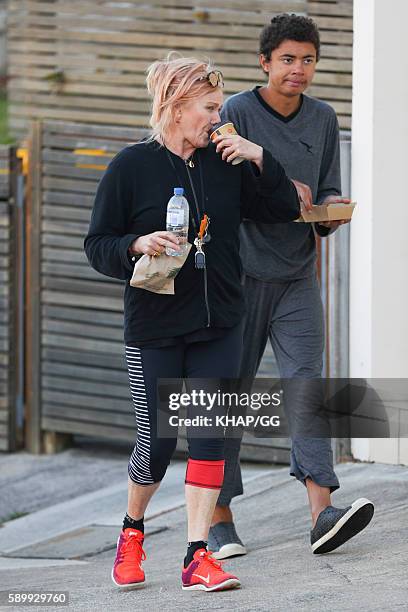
[{"x": 157, "y": 274}]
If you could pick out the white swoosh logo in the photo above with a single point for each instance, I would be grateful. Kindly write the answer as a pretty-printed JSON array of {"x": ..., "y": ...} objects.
[{"x": 206, "y": 579}]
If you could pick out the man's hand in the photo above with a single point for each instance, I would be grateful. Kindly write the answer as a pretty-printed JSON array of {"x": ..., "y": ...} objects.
[
  {"x": 305, "y": 195},
  {"x": 333, "y": 199}
]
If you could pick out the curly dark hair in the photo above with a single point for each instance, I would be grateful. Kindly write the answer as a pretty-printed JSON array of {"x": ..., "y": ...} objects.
[{"x": 288, "y": 27}]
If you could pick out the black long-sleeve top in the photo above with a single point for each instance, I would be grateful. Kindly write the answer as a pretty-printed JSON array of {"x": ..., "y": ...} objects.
[{"x": 131, "y": 201}]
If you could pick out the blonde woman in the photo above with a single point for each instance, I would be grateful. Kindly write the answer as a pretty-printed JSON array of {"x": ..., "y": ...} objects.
[{"x": 197, "y": 332}]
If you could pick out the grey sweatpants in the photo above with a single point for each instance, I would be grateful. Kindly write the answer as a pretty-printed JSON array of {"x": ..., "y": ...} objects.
[{"x": 290, "y": 314}]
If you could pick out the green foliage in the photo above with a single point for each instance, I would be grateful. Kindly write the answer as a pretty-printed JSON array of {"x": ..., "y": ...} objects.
[
  {"x": 12, "y": 516},
  {"x": 5, "y": 137}
]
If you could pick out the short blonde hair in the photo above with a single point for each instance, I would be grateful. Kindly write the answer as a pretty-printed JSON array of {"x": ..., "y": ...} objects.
[{"x": 172, "y": 81}]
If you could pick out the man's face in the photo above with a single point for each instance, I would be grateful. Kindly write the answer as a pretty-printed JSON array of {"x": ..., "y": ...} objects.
[{"x": 291, "y": 67}]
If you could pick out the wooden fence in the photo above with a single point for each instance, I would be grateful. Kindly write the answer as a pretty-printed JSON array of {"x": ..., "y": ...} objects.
[
  {"x": 84, "y": 60},
  {"x": 76, "y": 377},
  {"x": 75, "y": 367}
]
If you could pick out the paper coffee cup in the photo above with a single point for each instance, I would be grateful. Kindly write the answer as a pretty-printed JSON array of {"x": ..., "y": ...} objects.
[{"x": 227, "y": 129}]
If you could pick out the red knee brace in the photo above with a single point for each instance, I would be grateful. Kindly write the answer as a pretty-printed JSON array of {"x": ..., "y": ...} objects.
[{"x": 205, "y": 474}]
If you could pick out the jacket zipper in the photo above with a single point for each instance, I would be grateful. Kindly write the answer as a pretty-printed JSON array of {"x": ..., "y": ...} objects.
[
  {"x": 206, "y": 298},
  {"x": 205, "y": 269}
]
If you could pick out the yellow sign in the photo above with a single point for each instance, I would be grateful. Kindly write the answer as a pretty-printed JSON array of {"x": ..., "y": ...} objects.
[
  {"x": 92, "y": 153},
  {"x": 22, "y": 154}
]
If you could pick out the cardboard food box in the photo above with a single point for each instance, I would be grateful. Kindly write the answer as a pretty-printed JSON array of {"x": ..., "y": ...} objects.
[{"x": 328, "y": 212}]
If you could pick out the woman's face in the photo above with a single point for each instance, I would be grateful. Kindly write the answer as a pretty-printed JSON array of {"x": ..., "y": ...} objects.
[{"x": 196, "y": 119}]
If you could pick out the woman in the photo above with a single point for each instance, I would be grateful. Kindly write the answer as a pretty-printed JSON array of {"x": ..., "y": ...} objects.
[{"x": 197, "y": 331}]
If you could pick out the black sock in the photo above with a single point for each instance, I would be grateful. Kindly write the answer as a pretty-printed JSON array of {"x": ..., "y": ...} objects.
[
  {"x": 192, "y": 547},
  {"x": 128, "y": 521}
]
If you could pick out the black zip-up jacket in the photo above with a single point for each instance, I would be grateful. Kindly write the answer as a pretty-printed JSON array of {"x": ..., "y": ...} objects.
[{"x": 131, "y": 201}]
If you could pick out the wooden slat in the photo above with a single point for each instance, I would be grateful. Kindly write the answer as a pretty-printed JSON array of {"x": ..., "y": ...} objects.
[
  {"x": 222, "y": 15},
  {"x": 83, "y": 301},
  {"x": 80, "y": 314},
  {"x": 97, "y": 287},
  {"x": 64, "y": 255},
  {"x": 82, "y": 330},
  {"x": 85, "y": 344},
  {"x": 86, "y": 387},
  {"x": 53, "y": 100},
  {"x": 112, "y": 418},
  {"x": 127, "y": 10},
  {"x": 106, "y": 134},
  {"x": 51, "y": 182},
  {"x": 4, "y": 416},
  {"x": 70, "y": 271},
  {"x": 69, "y": 214},
  {"x": 96, "y": 401},
  {"x": 339, "y": 9},
  {"x": 64, "y": 199},
  {"x": 65, "y": 227},
  {"x": 77, "y": 23},
  {"x": 232, "y": 57},
  {"x": 78, "y": 372},
  {"x": 4, "y": 360},
  {"x": 4, "y": 445},
  {"x": 165, "y": 40},
  {"x": 328, "y": 92},
  {"x": 81, "y": 85},
  {"x": 78, "y": 115},
  {"x": 62, "y": 241},
  {"x": 64, "y": 355},
  {"x": 132, "y": 72},
  {"x": 51, "y": 169},
  {"x": 64, "y": 425}
]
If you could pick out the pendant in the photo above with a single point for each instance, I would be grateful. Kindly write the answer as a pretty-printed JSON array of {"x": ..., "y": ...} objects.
[{"x": 189, "y": 162}]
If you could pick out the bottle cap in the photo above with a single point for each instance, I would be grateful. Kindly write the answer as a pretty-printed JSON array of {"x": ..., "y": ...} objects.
[{"x": 178, "y": 191}]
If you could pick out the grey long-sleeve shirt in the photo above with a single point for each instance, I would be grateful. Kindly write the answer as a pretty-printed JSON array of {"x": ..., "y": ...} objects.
[{"x": 307, "y": 146}]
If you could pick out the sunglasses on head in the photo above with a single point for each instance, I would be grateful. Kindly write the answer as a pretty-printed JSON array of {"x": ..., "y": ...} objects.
[{"x": 214, "y": 77}]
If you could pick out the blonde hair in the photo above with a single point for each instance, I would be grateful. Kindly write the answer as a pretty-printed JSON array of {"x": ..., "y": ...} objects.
[{"x": 172, "y": 81}]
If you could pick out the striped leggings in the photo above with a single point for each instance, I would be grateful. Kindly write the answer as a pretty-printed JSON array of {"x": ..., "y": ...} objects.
[{"x": 219, "y": 358}]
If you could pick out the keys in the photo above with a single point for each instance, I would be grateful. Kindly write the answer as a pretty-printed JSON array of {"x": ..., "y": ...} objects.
[{"x": 199, "y": 256}]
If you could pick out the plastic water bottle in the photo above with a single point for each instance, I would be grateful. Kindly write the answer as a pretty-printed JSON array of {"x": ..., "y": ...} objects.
[{"x": 177, "y": 220}]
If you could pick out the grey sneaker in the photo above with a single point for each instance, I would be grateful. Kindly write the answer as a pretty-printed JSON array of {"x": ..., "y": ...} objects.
[
  {"x": 334, "y": 526},
  {"x": 224, "y": 541}
]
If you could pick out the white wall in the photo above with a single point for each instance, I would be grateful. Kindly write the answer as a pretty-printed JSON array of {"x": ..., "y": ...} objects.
[{"x": 379, "y": 236}]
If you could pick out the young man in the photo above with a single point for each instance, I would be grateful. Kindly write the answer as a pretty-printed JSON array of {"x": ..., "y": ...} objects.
[{"x": 282, "y": 291}]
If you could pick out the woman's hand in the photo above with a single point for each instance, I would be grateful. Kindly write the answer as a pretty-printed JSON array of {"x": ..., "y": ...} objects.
[
  {"x": 154, "y": 244},
  {"x": 233, "y": 146}
]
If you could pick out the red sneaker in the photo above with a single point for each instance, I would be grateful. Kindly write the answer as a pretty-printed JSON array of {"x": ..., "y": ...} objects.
[
  {"x": 206, "y": 574},
  {"x": 127, "y": 570}
]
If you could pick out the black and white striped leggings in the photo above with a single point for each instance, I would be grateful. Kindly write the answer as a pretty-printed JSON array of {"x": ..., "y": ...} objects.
[{"x": 219, "y": 358}]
